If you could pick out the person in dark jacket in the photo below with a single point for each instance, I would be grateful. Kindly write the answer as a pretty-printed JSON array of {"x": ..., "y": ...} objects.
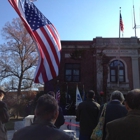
[
  {"x": 4, "y": 116},
  {"x": 60, "y": 119},
  {"x": 128, "y": 127},
  {"x": 87, "y": 115},
  {"x": 43, "y": 128},
  {"x": 114, "y": 109}
]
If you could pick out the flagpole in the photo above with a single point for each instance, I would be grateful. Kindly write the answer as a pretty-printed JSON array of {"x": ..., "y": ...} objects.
[
  {"x": 66, "y": 93},
  {"x": 119, "y": 46},
  {"x": 119, "y": 21},
  {"x": 83, "y": 96},
  {"x": 134, "y": 20}
]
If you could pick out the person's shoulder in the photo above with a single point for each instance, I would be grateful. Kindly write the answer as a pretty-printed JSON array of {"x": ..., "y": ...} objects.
[
  {"x": 51, "y": 131},
  {"x": 63, "y": 134},
  {"x": 82, "y": 103},
  {"x": 123, "y": 106},
  {"x": 2, "y": 104},
  {"x": 60, "y": 109},
  {"x": 116, "y": 122},
  {"x": 97, "y": 104},
  {"x": 18, "y": 134},
  {"x": 57, "y": 132}
]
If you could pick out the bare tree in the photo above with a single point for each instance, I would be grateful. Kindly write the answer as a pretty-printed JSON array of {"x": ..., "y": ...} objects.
[{"x": 18, "y": 57}]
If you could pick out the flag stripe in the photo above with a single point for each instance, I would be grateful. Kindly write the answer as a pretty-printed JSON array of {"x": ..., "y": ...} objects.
[
  {"x": 47, "y": 42},
  {"x": 46, "y": 53},
  {"x": 41, "y": 76},
  {"x": 57, "y": 36},
  {"x": 42, "y": 64},
  {"x": 52, "y": 46},
  {"x": 53, "y": 32}
]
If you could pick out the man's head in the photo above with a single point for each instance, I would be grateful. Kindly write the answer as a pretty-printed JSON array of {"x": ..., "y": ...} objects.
[
  {"x": 132, "y": 99},
  {"x": 117, "y": 95},
  {"x": 90, "y": 94},
  {"x": 47, "y": 108}
]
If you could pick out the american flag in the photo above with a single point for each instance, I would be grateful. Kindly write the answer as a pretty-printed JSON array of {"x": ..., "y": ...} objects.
[
  {"x": 46, "y": 37},
  {"x": 121, "y": 23}
]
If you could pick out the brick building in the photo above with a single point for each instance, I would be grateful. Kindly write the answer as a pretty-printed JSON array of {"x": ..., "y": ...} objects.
[{"x": 96, "y": 63}]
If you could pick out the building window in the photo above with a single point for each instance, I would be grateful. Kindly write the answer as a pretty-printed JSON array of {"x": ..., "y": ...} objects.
[
  {"x": 117, "y": 70},
  {"x": 72, "y": 72}
]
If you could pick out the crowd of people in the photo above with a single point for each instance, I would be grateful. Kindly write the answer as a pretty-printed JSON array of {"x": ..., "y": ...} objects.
[{"x": 122, "y": 118}]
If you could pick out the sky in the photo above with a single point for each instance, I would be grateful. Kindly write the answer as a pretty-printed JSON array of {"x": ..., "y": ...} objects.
[{"x": 83, "y": 19}]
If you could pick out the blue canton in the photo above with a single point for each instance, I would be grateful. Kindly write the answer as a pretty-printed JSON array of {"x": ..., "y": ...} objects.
[{"x": 34, "y": 17}]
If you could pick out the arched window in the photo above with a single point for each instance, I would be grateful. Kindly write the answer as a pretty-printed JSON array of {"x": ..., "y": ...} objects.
[{"x": 117, "y": 71}]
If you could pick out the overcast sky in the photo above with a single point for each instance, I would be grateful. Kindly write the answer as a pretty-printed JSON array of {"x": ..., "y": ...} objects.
[{"x": 83, "y": 19}]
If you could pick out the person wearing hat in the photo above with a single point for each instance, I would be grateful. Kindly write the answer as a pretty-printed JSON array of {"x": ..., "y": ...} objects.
[{"x": 4, "y": 116}]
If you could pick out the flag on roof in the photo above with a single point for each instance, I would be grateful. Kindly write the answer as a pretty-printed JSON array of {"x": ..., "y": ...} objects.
[
  {"x": 45, "y": 36},
  {"x": 121, "y": 23}
]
